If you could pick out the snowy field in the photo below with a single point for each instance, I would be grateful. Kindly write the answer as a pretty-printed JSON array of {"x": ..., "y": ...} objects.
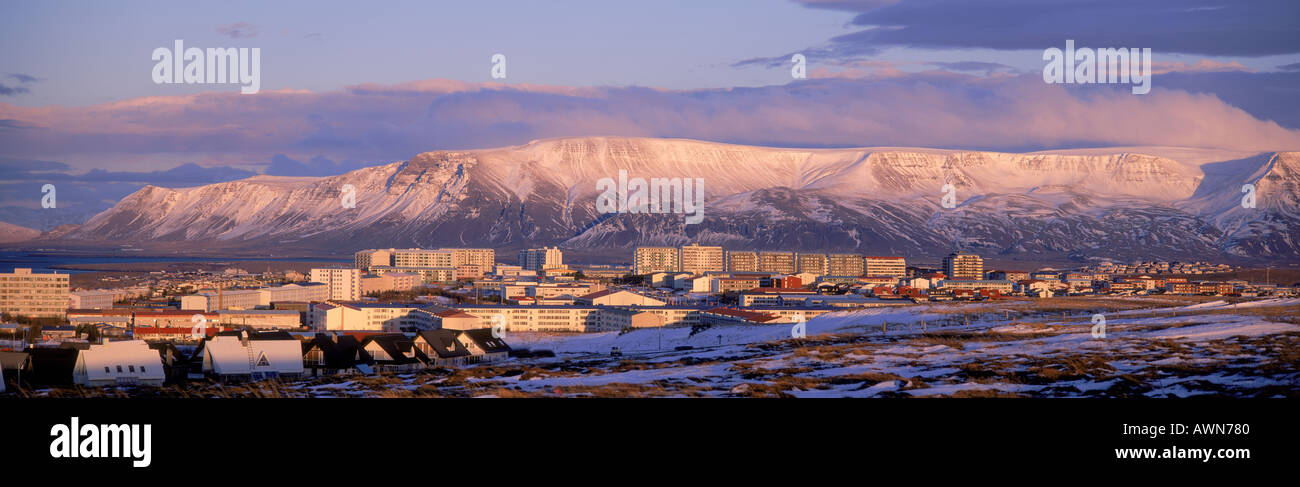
[{"x": 1152, "y": 347}]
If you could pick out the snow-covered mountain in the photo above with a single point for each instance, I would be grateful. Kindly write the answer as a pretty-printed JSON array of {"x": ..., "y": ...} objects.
[{"x": 1149, "y": 202}]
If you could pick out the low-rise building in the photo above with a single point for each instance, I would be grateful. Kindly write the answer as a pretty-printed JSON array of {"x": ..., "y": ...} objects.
[
  {"x": 252, "y": 355},
  {"x": 120, "y": 363}
]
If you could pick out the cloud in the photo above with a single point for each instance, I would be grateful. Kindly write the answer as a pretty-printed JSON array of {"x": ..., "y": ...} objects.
[
  {"x": 282, "y": 165},
  {"x": 1202, "y": 66},
  {"x": 1290, "y": 67},
  {"x": 973, "y": 66},
  {"x": 238, "y": 30},
  {"x": 12, "y": 90},
  {"x": 24, "y": 78},
  {"x": 393, "y": 122},
  {"x": 1202, "y": 27}
]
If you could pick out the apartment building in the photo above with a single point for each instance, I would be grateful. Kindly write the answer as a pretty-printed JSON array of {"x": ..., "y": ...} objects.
[
  {"x": 223, "y": 299},
  {"x": 390, "y": 281},
  {"x": 428, "y": 275},
  {"x": 845, "y": 265},
  {"x": 548, "y": 318},
  {"x": 344, "y": 283},
  {"x": 778, "y": 262},
  {"x": 38, "y": 295},
  {"x": 305, "y": 292},
  {"x": 350, "y": 315},
  {"x": 1001, "y": 286},
  {"x": 423, "y": 258},
  {"x": 887, "y": 266},
  {"x": 698, "y": 259},
  {"x": 740, "y": 261},
  {"x": 97, "y": 299},
  {"x": 482, "y": 260},
  {"x": 541, "y": 259},
  {"x": 366, "y": 259},
  {"x": 655, "y": 259},
  {"x": 963, "y": 266},
  {"x": 816, "y": 264}
]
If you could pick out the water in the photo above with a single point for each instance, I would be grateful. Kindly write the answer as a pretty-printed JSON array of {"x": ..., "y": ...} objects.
[{"x": 42, "y": 262}]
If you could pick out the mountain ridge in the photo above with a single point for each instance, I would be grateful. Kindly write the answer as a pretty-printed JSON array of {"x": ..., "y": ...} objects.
[{"x": 853, "y": 199}]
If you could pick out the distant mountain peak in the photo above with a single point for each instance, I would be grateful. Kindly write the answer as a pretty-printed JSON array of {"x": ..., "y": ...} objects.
[{"x": 1112, "y": 203}]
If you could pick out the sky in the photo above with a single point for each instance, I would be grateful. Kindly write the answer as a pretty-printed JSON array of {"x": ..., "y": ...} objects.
[{"x": 349, "y": 84}]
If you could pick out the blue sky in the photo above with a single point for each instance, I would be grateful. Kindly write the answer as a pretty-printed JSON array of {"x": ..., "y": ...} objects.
[
  {"x": 349, "y": 84},
  {"x": 88, "y": 52},
  {"x": 92, "y": 52}
]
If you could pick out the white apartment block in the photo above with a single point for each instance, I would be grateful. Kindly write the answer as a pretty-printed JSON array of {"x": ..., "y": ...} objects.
[
  {"x": 545, "y": 318},
  {"x": 428, "y": 275},
  {"x": 884, "y": 266},
  {"x": 344, "y": 283},
  {"x": 465, "y": 263},
  {"x": 387, "y": 317},
  {"x": 654, "y": 259},
  {"x": 293, "y": 292},
  {"x": 698, "y": 259},
  {"x": 34, "y": 295},
  {"x": 98, "y": 299},
  {"x": 541, "y": 259},
  {"x": 231, "y": 299}
]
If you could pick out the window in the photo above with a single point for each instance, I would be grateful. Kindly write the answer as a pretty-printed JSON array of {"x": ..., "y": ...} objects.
[
  {"x": 132, "y": 368},
  {"x": 119, "y": 369},
  {"x": 106, "y": 369}
]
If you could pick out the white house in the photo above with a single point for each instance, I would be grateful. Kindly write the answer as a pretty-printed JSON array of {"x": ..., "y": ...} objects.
[
  {"x": 128, "y": 362},
  {"x": 252, "y": 356}
]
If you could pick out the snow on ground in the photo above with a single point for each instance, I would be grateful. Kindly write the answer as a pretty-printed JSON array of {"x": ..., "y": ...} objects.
[
  {"x": 892, "y": 343},
  {"x": 1152, "y": 348}
]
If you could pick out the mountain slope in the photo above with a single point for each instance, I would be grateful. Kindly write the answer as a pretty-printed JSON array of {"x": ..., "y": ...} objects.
[
  {"x": 13, "y": 233},
  {"x": 1115, "y": 203}
]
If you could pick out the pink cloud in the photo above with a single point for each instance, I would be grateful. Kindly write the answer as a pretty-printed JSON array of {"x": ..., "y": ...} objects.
[
  {"x": 392, "y": 122},
  {"x": 1202, "y": 66}
]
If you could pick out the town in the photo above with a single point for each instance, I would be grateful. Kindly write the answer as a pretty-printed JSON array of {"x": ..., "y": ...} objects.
[{"x": 404, "y": 310}]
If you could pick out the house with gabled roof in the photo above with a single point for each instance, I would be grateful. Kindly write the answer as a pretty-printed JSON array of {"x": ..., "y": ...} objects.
[
  {"x": 482, "y": 346},
  {"x": 394, "y": 352},
  {"x": 50, "y": 366},
  {"x": 178, "y": 366},
  {"x": 442, "y": 347},
  {"x": 326, "y": 355},
  {"x": 126, "y": 362},
  {"x": 252, "y": 355}
]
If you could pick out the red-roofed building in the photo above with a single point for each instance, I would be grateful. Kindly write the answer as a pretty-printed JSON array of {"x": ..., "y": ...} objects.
[
  {"x": 724, "y": 316},
  {"x": 172, "y": 333}
]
